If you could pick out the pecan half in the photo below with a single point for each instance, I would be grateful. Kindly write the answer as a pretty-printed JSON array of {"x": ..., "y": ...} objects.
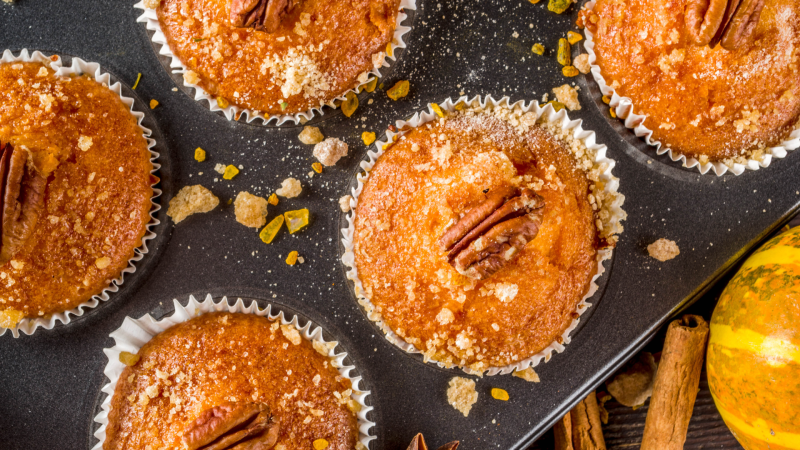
[
  {"x": 726, "y": 22},
  {"x": 262, "y": 15},
  {"x": 418, "y": 443},
  {"x": 742, "y": 24},
  {"x": 233, "y": 425},
  {"x": 22, "y": 194},
  {"x": 492, "y": 233}
]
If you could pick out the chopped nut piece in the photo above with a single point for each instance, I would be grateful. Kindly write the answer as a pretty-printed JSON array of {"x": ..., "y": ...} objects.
[
  {"x": 222, "y": 103},
  {"x": 558, "y": 106},
  {"x": 399, "y": 90},
  {"x": 190, "y": 76},
  {"x": 128, "y": 358},
  {"x": 153, "y": 104},
  {"x": 320, "y": 444},
  {"x": 528, "y": 375},
  {"x": 350, "y": 104},
  {"x": 191, "y": 200},
  {"x": 371, "y": 84},
  {"x": 138, "y": 77},
  {"x": 461, "y": 394},
  {"x": 582, "y": 63},
  {"x": 538, "y": 49},
  {"x": 606, "y": 99},
  {"x": 564, "y": 55},
  {"x": 250, "y": 210},
  {"x": 663, "y": 249},
  {"x": 573, "y": 37},
  {"x": 344, "y": 203},
  {"x": 290, "y": 188},
  {"x": 9, "y": 318},
  {"x": 558, "y": 6},
  {"x": 296, "y": 220},
  {"x": 292, "y": 258},
  {"x": 102, "y": 263},
  {"x": 568, "y": 95},
  {"x": 368, "y": 137},
  {"x": 273, "y": 199},
  {"x": 310, "y": 135},
  {"x": 330, "y": 150},
  {"x": 569, "y": 71},
  {"x": 317, "y": 167},
  {"x": 437, "y": 109},
  {"x": 612, "y": 113},
  {"x": 499, "y": 394},
  {"x": 271, "y": 230},
  {"x": 230, "y": 172},
  {"x": 199, "y": 154}
]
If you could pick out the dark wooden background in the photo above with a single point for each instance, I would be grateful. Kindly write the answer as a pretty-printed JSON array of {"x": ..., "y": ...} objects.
[{"x": 625, "y": 425}]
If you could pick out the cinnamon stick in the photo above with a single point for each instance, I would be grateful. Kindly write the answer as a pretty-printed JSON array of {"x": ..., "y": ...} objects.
[
  {"x": 677, "y": 381},
  {"x": 581, "y": 428}
]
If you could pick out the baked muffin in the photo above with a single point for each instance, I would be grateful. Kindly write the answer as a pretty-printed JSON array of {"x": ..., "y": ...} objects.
[
  {"x": 476, "y": 236},
  {"x": 76, "y": 190},
  {"x": 708, "y": 103},
  {"x": 225, "y": 366},
  {"x": 277, "y": 57}
]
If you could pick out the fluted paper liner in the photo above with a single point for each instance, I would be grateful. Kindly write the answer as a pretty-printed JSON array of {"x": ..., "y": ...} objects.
[
  {"x": 624, "y": 108},
  {"x": 233, "y": 112},
  {"x": 549, "y": 114},
  {"x": 78, "y": 67},
  {"x": 134, "y": 333}
]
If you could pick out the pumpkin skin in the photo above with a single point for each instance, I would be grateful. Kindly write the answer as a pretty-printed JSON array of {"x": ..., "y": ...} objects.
[{"x": 753, "y": 356}]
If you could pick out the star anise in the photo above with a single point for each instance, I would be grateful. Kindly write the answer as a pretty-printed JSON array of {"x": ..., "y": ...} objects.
[
  {"x": 418, "y": 443},
  {"x": 22, "y": 193},
  {"x": 233, "y": 426},
  {"x": 491, "y": 234},
  {"x": 729, "y": 23},
  {"x": 262, "y": 15}
]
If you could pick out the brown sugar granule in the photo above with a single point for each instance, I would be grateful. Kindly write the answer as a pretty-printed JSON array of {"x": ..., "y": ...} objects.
[
  {"x": 191, "y": 200},
  {"x": 581, "y": 63},
  {"x": 310, "y": 135},
  {"x": 329, "y": 151},
  {"x": 290, "y": 188},
  {"x": 461, "y": 394},
  {"x": 344, "y": 203},
  {"x": 568, "y": 95},
  {"x": 251, "y": 210},
  {"x": 663, "y": 249}
]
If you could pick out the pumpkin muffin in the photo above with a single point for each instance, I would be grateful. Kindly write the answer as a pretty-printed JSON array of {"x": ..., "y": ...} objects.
[
  {"x": 477, "y": 235},
  {"x": 76, "y": 190},
  {"x": 277, "y": 57},
  {"x": 188, "y": 385},
  {"x": 708, "y": 103}
]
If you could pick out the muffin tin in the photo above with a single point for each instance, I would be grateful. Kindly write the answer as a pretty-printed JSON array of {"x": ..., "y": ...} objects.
[{"x": 51, "y": 380}]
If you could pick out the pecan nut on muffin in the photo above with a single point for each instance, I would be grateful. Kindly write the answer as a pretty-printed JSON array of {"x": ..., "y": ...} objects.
[
  {"x": 277, "y": 56},
  {"x": 477, "y": 235},
  {"x": 232, "y": 381},
  {"x": 715, "y": 85},
  {"x": 76, "y": 190}
]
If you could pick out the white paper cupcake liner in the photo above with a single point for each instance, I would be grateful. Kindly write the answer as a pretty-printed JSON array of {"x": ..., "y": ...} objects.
[
  {"x": 134, "y": 333},
  {"x": 232, "y": 112},
  {"x": 548, "y": 113},
  {"x": 624, "y": 108},
  {"x": 79, "y": 66}
]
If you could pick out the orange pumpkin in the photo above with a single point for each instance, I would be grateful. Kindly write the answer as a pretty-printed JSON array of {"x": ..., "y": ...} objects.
[{"x": 754, "y": 348}]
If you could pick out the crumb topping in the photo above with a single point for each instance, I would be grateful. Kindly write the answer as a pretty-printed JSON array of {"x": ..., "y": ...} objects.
[
  {"x": 191, "y": 200},
  {"x": 663, "y": 250},
  {"x": 461, "y": 394}
]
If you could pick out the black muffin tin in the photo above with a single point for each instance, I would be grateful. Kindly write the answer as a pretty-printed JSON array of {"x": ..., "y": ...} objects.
[{"x": 50, "y": 381}]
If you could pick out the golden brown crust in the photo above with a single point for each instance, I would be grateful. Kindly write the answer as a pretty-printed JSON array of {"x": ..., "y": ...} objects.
[
  {"x": 711, "y": 104},
  {"x": 224, "y": 357},
  {"x": 424, "y": 183},
  {"x": 326, "y": 44},
  {"x": 98, "y": 200}
]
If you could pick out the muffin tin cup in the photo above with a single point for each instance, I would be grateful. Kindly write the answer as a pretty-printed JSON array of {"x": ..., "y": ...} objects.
[
  {"x": 79, "y": 67},
  {"x": 561, "y": 119},
  {"x": 624, "y": 109},
  {"x": 232, "y": 112},
  {"x": 135, "y": 333}
]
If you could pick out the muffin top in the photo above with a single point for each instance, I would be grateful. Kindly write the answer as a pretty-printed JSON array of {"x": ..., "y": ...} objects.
[
  {"x": 90, "y": 150},
  {"x": 433, "y": 177},
  {"x": 318, "y": 51},
  {"x": 711, "y": 104},
  {"x": 220, "y": 359}
]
